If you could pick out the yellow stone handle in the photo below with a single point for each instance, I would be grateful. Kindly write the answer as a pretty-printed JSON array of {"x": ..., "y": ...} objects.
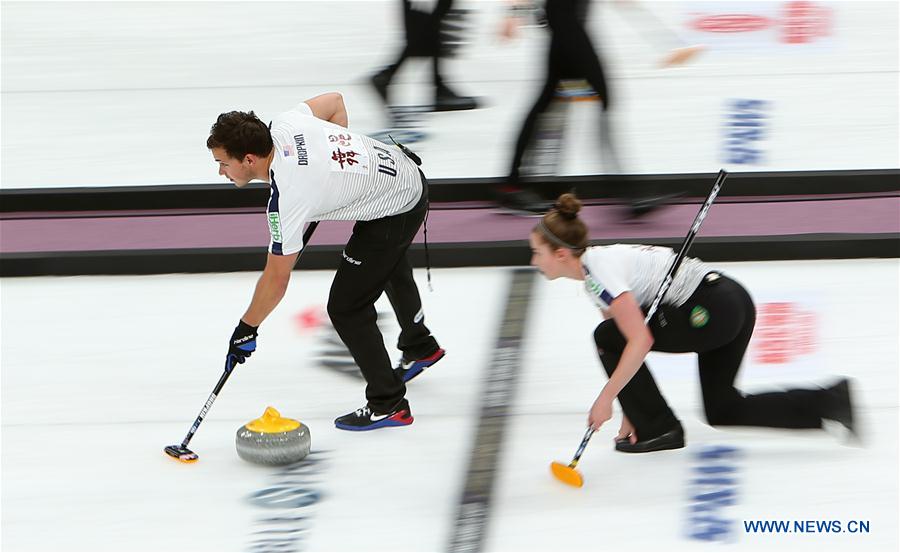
[{"x": 271, "y": 421}]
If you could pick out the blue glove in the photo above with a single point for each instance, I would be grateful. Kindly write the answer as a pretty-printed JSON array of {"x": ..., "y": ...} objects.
[{"x": 243, "y": 341}]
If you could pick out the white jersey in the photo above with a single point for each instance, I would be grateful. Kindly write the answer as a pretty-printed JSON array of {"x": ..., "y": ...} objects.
[
  {"x": 612, "y": 270},
  {"x": 323, "y": 172}
]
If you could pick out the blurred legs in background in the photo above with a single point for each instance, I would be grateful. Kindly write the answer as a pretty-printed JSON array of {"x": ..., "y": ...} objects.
[
  {"x": 574, "y": 73},
  {"x": 433, "y": 35}
]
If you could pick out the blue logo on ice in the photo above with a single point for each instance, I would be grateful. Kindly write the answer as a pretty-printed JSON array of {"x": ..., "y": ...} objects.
[
  {"x": 289, "y": 506},
  {"x": 712, "y": 489},
  {"x": 745, "y": 130}
]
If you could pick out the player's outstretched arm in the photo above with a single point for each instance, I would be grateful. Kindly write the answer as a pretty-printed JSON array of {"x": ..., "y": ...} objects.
[
  {"x": 329, "y": 107},
  {"x": 270, "y": 288}
]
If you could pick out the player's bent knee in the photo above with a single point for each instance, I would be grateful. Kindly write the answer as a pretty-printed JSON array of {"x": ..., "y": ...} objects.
[{"x": 337, "y": 311}]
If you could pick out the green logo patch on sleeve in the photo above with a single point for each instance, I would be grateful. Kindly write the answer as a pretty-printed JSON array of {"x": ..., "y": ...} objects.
[{"x": 699, "y": 316}]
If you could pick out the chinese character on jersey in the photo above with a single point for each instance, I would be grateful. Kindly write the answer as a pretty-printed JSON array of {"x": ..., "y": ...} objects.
[
  {"x": 341, "y": 139},
  {"x": 345, "y": 157}
]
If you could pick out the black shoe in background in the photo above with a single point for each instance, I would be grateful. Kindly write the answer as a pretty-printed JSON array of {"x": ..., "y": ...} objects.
[
  {"x": 642, "y": 206},
  {"x": 380, "y": 82},
  {"x": 446, "y": 99},
  {"x": 673, "y": 439},
  {"x": 839, "y": 406},
  {"x": 523, "y": 201}
]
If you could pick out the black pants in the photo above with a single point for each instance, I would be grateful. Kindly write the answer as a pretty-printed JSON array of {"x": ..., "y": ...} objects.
[
  {"x": 720, "y": 344},
  {"x": 423, "y": 37},
  {"x": 375, "y": 261},
  {"x": 571, "y": 56}
]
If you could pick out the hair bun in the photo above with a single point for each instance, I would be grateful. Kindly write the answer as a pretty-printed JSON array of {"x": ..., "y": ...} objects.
[{"x": 568, "y": 206}]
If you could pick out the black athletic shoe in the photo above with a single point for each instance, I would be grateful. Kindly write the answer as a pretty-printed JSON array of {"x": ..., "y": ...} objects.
[
  {"x": 673, "y": 439},
  {"x": 380, "y": 82},
  {"x": 366, "y": 419},
  {"x": 523, "y": 201},
  {"x": 446, "y": 99},
  {"x": 839, "y": 406},
  {"x": 648, "y": 204},
  {"x": 409, "y": 369}
]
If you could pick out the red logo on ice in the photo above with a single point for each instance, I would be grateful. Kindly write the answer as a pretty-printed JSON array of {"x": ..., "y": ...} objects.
[
  {"x": 804, "y": 22},
  {"x": 310, "y": 318},
  {"x": 796, "y": 22},
  {"x": 783, "y": 331},
  {"x": 731, "y": 23}
]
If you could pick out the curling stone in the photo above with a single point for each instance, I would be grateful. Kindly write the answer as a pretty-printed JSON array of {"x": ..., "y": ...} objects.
[{"x": 273, "y": 440}]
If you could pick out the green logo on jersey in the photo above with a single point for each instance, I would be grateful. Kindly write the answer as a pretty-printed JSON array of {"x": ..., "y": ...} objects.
[
  {"x": 594, "y": 288},
  {"x": 699, "y": 316},
  {"x": 275, "y": 226}
]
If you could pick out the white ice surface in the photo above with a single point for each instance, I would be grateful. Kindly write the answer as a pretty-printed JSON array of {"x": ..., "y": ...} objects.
[
  {"x": 124, "y": 93},
  {"x": 640, "y": 502},
  {"x": 99, "y": 373}
]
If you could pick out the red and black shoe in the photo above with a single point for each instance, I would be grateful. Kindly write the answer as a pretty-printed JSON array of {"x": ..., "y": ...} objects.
[
  {"x": 366, "y": 419},
  {"x": 408, "y": 369}
]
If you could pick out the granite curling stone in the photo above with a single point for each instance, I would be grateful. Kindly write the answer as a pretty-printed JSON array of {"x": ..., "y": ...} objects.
[{"x": 273, "y": 440}]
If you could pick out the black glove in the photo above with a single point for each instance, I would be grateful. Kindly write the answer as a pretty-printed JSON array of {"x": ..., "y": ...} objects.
[{"x": 243, "y": 341}]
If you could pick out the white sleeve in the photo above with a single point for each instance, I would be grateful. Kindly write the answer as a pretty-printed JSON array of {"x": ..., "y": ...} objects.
[
  {"x": 291, "y": 236},
  {"x": 287, "y": 215},
  {"x": 606, "y": 276},
  {"x": 304, "y": 108}
]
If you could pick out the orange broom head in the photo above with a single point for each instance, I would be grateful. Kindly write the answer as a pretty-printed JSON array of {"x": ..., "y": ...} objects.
[{"x": 566, "y": 474}]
